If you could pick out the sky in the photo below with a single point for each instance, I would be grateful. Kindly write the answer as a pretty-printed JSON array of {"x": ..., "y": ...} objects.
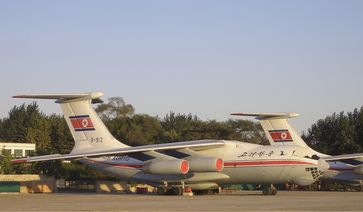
[{"x": 204, "y": 57}]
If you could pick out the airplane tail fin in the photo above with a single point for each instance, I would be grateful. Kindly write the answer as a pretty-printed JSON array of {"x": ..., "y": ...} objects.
[
  {"x": 277, "y": 129},
  {"x": 87, "y": 129}
]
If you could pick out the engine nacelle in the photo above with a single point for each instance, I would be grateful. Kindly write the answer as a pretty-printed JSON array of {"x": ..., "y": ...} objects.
[
  {"x": 207, "y": 164},
  {"x": 167, "y": 166},
  {"x": 359, "y": 170}
]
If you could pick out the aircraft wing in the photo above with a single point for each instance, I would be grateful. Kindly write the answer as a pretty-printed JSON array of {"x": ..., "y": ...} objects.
[
  {"x": 192, "y": 145},
  {"x": 356, "y": 156}
]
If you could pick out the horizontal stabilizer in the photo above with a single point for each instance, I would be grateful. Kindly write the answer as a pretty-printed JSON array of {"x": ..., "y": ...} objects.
[
  {"x": 61, "y": 98},
  {"x": 262, "y": 116}
]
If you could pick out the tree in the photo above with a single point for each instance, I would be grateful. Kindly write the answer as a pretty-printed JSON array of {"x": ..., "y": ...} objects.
[
  {"x": 60, "y": 137},
  {"x": 116, "y": 107},
  {"x": 246, "y": 131},
  {"x": 181, "y": 127},
  {"x": 5, "y": 164},
  {"x": 137, "y": 130},
  {"x": 337, "y": 133},
  {"x": 26, "y": 124},
  {"x": 357, "y": 119}
]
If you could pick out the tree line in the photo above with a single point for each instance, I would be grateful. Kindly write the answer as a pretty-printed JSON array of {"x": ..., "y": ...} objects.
[{"x": 338, "y": 133}]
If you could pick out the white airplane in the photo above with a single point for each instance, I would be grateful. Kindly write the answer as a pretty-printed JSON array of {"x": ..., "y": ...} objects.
[
  {"x": 202, "y": 165},
  {"x": 346, "y": 168}
]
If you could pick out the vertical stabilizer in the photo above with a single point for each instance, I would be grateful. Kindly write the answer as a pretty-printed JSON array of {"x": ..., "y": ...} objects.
[
  {"x": 87, "y": 129},
  {"x": 277, "y": 129}
]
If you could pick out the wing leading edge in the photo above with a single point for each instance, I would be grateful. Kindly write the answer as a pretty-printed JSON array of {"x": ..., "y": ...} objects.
[
  {"x": 356, "y": 156},
  {"x": 193, "y": 145}
]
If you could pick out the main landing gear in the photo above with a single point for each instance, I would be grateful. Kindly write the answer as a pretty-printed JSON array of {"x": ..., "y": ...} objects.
[
  {"x": 174, "y": 190},
  {"x": 178, "y": 191},
  {"x": 269, "y": 190},
  {"x": 207, "y": 192}
]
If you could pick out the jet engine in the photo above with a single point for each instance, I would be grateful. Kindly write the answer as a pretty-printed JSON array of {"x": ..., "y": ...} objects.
[
  {"x": 167, "y": 166},
  {"x": 206, "y": 164},
  {"x": 359, "y": 170}
]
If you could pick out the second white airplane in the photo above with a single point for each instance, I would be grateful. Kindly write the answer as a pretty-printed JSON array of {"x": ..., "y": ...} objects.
[
  {"x": 346, "y": 168},
  {"x": 201, "y": 165}
]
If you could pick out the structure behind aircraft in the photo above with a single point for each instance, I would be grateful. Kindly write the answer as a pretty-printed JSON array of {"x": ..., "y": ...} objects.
[{"x": 201, "y": 164}]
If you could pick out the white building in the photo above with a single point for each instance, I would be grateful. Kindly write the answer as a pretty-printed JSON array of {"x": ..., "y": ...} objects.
[{"x": 18, "y": 150}]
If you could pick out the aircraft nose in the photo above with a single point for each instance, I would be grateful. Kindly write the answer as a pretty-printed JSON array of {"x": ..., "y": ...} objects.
[{"x": 323, "y": 165}]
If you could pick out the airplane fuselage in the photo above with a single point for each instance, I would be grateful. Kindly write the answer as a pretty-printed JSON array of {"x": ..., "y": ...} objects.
[{"x": 243, "y": 163}]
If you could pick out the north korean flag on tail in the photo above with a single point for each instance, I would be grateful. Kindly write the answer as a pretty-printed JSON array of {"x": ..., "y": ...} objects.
[
  {"x": 280, "y": 135},
  {"x": 82, "y": 123}
]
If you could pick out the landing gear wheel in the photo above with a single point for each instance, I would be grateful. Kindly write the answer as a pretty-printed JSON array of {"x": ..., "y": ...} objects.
[
  {"x": 274, "y": 191},
  {"x": 266, "y": 191},
  {"x": 161, "y": 190},
  {"x": 215, "y": 191},
  {"x": 201, "y": 192},
  {"x": 269, "y": 190},
  {"x": 177, "y": 191}
]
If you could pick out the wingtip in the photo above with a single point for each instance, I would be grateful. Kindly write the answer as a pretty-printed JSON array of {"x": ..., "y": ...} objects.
[
  {"x": 236, "y": 114},
  {"x": 16, "y": 161},
  {"x": 19, "y": 96}
]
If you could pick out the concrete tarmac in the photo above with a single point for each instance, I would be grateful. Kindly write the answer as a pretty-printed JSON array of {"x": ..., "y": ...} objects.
[{"x": 239, "y": 201}]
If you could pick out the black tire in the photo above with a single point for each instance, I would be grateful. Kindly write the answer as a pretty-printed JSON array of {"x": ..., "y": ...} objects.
[
  {"x": 177, "y": 191},
  {"x": 215, "y": 191},
  {"x": 201, "y": 192},
  {"x": 266, "y": 190},
  {"x": 273, "y": 191},
  {"x": 161, "y": 190},
  {"x": 269, "y": 191}
]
